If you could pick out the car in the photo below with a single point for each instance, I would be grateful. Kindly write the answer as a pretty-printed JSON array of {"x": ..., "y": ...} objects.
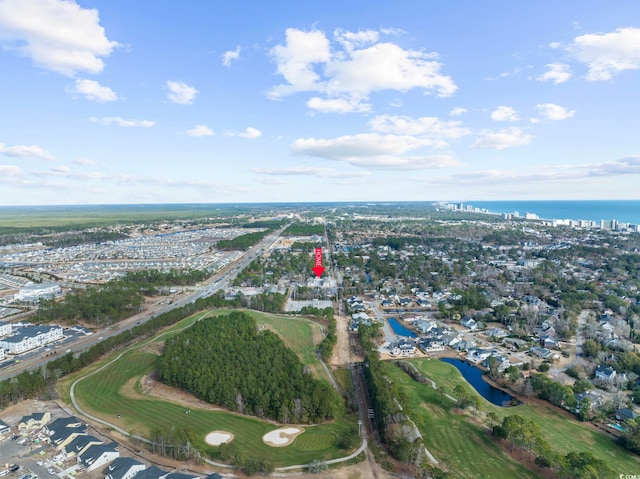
[
  {"x": 51, "y": 470},
  {"x": 28, "y": 476},
  {"x": 14, "y": 467},
  {"x": 4, "y": 472},
  {"x": 39, "y": 463}
]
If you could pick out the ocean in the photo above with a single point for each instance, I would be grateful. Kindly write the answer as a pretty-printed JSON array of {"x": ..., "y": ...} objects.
[{"x": 624, "y": 211}]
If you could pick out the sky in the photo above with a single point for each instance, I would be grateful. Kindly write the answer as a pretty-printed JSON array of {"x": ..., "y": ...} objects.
[{"x": 157, "y": 101}]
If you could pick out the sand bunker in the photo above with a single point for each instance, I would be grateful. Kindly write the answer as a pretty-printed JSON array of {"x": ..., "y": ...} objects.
[
  {"x": 216, "y": 438},
  {"x": 281, "y": 437}
]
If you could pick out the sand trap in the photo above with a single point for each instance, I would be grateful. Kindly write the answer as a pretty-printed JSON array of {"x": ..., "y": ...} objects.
[
  {"x": 281, "y": 437},
  {"x": 216, "y": 438}
]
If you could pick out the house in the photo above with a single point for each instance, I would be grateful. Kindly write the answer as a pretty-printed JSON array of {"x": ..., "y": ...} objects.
[
  {"x": 595, "y": 400},
  {"x": 500, "y": 360},
  {"x": 549, "y": 342},
  {"x": 542, "y": 353},
  {"x": 386, "y": 303},
  {"x": 605, "y": 373},
  {"x": 4, "y": 428},
  {"x": 424, "y": 326},
  {"x": 431, "y": 344},
  {"x": 152, "y": 472},
  {"x": 123, "y": 468},
  {"x": 515, "y": 343},
  {"x": 98, "y": 455},
  {"x": 79, "y": 445},
  {"x": 34, "y": 421},
  {"x": 469, "y": 323},
  {"x": 465, "y": 345},
  {"x": 497, "y": 333},
  {"x": 625, "y": 414},
  {"x": 405, "y": 302},
  {"x": 404, "y": 347},
  {"x": 450, "y": 339},
  {"x": 478, "y": 354},
  {"x": 179, "y": 475}
]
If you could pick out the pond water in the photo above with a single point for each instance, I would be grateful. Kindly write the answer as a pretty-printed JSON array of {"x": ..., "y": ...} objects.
[
  {"x": 399, "y": 329},
  {"x": 474, "y": 377}
]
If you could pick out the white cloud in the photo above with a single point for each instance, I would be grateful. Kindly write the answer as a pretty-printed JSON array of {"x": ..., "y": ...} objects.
[
  {"x": 499, "y": 140},
  {"x": 551, "y": 111},
  {"x": 457, "y": 111},
  {"x": 607, "y": 54},
  {"x": 200, "y": 130},
  {"x": 557, "y": 73},
  {"x": 374, "y": 151},
  {"x": 10, "y": 170},
  {"x": 356, "y": 65},
  {"x": 26, "y": 151},
  {"x": 543, "y": 174},
  {"x": 250, "y": 133},
  {"x": 230, "y": 56},
  {"x": 85, "y": 162},
  {"x": 426, "y": 127},
  {"x": 504, "y": 113},
  {"x": 92, "y": 90},
  {"x": 57, "y": 35},
  {"x": 115, "y": 120},
  {"x": 181, "y": 93},
  {"x": 352, "y": 40},
  {"x": 310, "y": 171},
  {"x": 338, "y": 105}
]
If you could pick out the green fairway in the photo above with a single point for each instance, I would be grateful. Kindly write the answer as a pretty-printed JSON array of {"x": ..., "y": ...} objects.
[
  {"x": 463, "y": 444},
  {"x": 115, "y": 395}
]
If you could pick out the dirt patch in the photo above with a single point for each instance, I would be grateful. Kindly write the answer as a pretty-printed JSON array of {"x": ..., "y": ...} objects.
[
  {"x": 149, "y": 386},
  {"x": 281, "y": 437},
  {"x": 342, "y": 351}
]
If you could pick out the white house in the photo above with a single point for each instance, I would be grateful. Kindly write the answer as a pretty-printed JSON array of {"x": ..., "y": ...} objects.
[
  {"x": 404, "y": 347},
  {"x": 469, "y": 323},
  {"x": 123, "y": 468},
  {"x": 98, "y": 455}
]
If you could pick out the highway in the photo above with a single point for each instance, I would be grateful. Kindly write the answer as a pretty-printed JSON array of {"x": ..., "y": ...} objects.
[{"x": 33, "y": 360}]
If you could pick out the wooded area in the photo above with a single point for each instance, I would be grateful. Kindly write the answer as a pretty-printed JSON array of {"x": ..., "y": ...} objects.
[{"x": 261, "y": 376}]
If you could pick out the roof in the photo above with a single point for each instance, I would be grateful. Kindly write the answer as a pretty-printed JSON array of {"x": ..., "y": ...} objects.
[
  {"x": 95, "y": 451},
  {"x": 179, "y": 475},
  {"x": 120, "y": 466},
  {"x": 152, "y": 472},
  {"x": 64, "y": 422}
]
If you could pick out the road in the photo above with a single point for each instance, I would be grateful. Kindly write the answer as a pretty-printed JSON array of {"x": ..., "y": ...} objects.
[{"x": 220, "y": 280}]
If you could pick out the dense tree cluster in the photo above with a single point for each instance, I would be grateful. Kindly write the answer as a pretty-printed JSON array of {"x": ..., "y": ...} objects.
[
  {"x": 242, "y": 242},
  {"x": 300, "y": 229},
  {"x": 96, "y": 305},
  {"x": 262, "y": 376}
]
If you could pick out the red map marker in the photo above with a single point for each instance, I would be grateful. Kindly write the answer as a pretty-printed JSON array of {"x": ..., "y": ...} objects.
[{"x": 318, "y": 269}]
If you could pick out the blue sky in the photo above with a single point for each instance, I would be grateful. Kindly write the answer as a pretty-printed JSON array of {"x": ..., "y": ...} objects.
[{"x": 145, "y": 101}]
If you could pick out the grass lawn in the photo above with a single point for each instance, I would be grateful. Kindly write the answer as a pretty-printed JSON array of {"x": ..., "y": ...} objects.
[
  {"x": 460, "y": 441},
  {"x": 115, "y": 391}
]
